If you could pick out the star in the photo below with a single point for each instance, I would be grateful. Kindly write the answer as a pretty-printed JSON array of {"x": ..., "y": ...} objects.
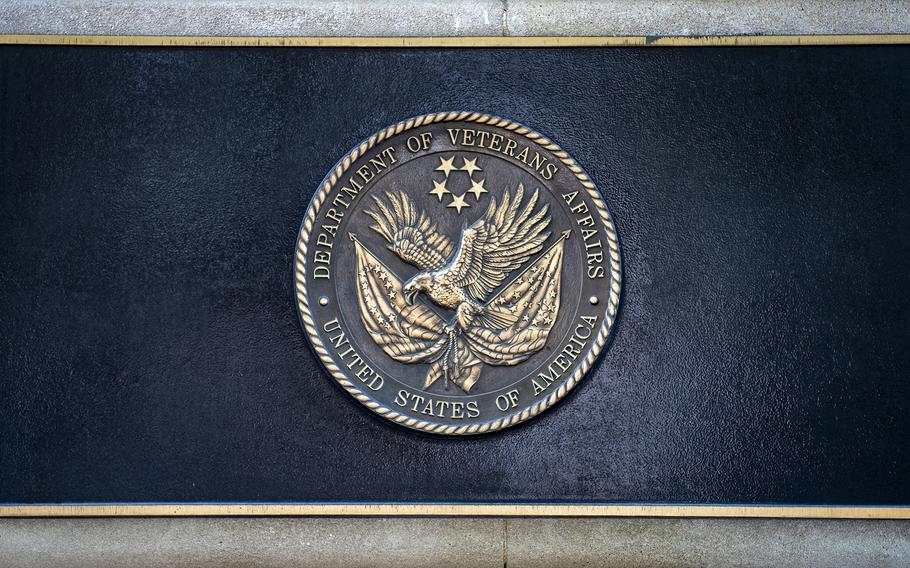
[
  {"x": 446, "y": 165},
  {"x": 458, "y": 202},
  {"x": 477, "y": 189},
  {"x": 470, "y": 166},
  {"x": 439, "y": 189}
]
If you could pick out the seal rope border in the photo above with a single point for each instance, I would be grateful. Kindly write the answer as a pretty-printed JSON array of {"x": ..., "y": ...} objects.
[{"x": 303, "y": 300}]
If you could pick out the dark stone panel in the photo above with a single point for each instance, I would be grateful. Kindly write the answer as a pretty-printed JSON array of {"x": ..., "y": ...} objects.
[{"x": 150, "y": 200}]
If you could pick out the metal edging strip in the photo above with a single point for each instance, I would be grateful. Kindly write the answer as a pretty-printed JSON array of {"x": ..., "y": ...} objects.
[
  {"x": 455, "y": 510},
  {"x": 452, "y": 509},
  {"x": 467, "y": 41}
]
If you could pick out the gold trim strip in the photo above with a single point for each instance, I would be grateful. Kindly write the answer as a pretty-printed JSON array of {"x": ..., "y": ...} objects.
[
  {"x": 472, "y": 41},
  {"x": 454, "y": 510}
]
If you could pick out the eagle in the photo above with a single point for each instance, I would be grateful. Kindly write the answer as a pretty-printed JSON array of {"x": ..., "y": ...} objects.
[
  {"x": 497, "y": 328},
  {"x": 489, "y": 250}
]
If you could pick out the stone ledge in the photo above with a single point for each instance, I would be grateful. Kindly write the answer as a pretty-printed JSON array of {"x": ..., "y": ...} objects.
[
  {"x": 516, "y": 542},
  {"x": 398, "y": 18}
]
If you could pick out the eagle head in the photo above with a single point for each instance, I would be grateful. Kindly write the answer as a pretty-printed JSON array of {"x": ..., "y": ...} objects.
[{"x": 420, "y": 283}]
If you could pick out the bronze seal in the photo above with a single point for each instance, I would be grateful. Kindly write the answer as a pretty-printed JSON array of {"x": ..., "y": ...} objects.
[{"x": 457, "y": 273}]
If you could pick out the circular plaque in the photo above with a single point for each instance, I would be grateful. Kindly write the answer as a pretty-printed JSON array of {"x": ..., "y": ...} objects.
[{"x": 457, "y": 273}]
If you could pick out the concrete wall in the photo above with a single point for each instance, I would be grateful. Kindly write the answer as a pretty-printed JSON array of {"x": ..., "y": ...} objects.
[
  {"x": 453, "y": 17},
  {"x": 516, "y": 543}
]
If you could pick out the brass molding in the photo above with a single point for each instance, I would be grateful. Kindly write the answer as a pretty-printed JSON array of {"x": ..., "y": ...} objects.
[
  {"x": 455, "y": 510},
  {"x": 470, "y": 41}
]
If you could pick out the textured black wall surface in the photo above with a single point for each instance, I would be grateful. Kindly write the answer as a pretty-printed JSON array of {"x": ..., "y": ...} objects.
[{"x": 150, "y": 200}]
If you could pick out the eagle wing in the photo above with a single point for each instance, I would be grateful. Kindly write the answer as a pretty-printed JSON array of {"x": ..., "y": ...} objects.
[
  {"x": 410, "y": 233},
  {"x": 407, "y": 333},
  {"x": 499, "y": 242}
]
